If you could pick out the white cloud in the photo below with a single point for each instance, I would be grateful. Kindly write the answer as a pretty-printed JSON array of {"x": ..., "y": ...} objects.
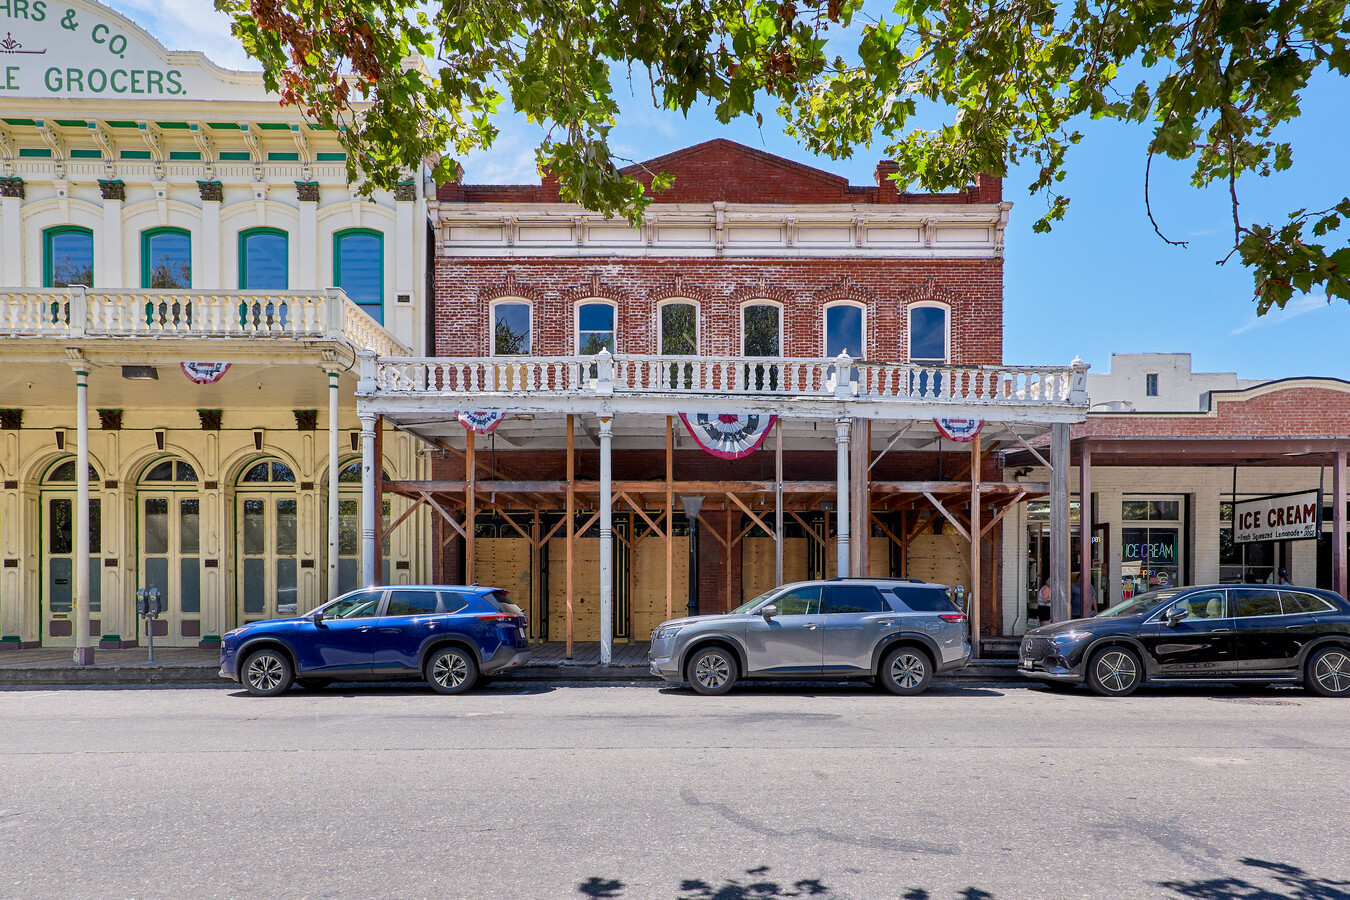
[
  {"x": 1292, "y": 310},
  {"x": 188, "y": 25}
]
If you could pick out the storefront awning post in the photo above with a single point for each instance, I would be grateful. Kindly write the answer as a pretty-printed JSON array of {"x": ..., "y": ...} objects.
[
  {"x": 606, "y": 542},
  {"x": 1338, "y": 525},
  {"x": 1059, "y": 522}
]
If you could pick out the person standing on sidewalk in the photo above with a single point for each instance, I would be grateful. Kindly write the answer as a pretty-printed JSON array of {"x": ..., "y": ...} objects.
[{"x": 1043, "y": 603}]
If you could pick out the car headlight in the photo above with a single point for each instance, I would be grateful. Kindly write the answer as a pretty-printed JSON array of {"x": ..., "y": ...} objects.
[
  {"x": 1070, "y": 637},
  {"x": 666, "y": 631}
]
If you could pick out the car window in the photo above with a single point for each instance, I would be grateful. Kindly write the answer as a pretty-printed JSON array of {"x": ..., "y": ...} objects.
[
  {"x": 356, "y": 606},
  {"x": 799, "y": 602},
  {"x": 1252, "y": 602},
  {"x": 498, "y": 601},
  {"x": 1292, "y": 602},
  {"x": 1200, "y": 606},
  {"x": 453, "y": 602},
  {"x": 922, "y": 600},
  {"x": 854, "y": 598},
  {"x": 411, "y": 603}
]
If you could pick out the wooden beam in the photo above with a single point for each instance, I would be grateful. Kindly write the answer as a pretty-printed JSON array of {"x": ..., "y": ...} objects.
[
  {"x": 670, "y": 517},
  {"x": 469, "y": 510},
  {"x": 749, "y": 512},
  {"x": 571, "y": 526},
  {"x": 894, "y": 438},
  {"x": 1000, "y": 514},
  {"x": 778, "y": 504},
  {"x": 886, "y": 531},
  {"x": 808, "y": 529},
  {"x": 382, "y": 534},
  {"x": 949, "y": 517},
  {"x": 975, "y": 508}
]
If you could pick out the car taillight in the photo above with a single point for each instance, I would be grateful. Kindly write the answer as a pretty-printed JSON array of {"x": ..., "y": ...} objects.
[
  {"x": 952, "y": 617},
  {"x": 500, "y": 618}
]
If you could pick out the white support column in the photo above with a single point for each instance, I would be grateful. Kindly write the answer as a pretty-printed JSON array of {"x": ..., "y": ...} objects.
[
  {"x": 369, "y": 510},
  {"x": 841, "y": 432},
  {"x": 606, "y": 542},
  {"x": 84, "y": 651},
  {"x": 332, "y": 483}
]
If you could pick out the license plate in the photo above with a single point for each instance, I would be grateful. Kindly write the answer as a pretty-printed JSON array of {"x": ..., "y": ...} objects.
[{"x": 1026, "y": 664}]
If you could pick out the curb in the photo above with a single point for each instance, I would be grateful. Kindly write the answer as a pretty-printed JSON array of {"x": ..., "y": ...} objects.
[{"x": 112, "y": 676}]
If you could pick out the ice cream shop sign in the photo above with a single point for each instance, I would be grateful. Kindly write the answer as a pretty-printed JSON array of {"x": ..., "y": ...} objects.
[
  {"x": 1281, "y": 517},
  {"x": 83, "y": 49}
]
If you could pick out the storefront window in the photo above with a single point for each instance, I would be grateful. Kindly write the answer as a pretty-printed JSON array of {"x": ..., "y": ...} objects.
[
  {"x": 1250, "y": 563},
  {"x": 1150, "y": 554}
]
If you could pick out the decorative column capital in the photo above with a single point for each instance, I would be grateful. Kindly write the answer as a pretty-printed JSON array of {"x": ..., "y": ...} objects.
[
  {"x": 841, "y": 430},
  {"x": 211, "y": 190},
  {"x": 12, "y": 186},
  {"x": 307, "y": 191},
  {"x": 112, "y": 189}
]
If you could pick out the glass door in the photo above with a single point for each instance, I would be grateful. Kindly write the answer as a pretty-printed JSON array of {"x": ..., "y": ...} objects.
[
  {"x": 58, "y": 566},
  {"x": 268, "y": 543},
  {"x": 170, "y": 561}
]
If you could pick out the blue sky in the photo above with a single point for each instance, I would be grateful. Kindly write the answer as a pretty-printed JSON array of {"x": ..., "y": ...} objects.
[{"x": 1101, "y": 282}]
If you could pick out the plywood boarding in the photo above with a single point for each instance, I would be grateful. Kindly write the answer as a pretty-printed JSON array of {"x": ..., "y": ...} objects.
[
  {"x": 940, "y": 558},
  {"x": 505, "y": 563},
  {"x": 757, "y": 564},
  {"x": 585, "y": 589},
  {"x": 647, "y": 605},
  {"x": 878, "y": 558}
]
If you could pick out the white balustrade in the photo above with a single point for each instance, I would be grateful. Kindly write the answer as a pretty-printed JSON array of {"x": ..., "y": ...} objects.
[
  {"x": 723, "y": 376},
  {"x": 293, "y": 315}
]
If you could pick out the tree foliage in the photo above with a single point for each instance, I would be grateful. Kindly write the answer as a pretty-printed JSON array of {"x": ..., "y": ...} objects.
[{"x": 1018, "y": 81}]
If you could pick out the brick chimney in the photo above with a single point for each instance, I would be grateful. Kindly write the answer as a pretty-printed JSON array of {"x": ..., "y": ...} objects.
[{"x": 886, "y": 188}]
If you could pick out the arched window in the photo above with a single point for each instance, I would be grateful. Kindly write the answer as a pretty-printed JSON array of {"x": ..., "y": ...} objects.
[
  {"x": 349, "y": 528},
  {"x": 510, "y": 328},
  {"x": 67, "y": 256},
  {"x": 267, "y": 540},
  {"x": 595, "y": 327},
  {"x": 358, "y": 268},
  {"x": 267, "y": 471},
  {"x": 263, "y": 260},
  {"x": 929, "y": 332},
  {"x": 761, "y": 329},
  {"x": 170, "y": 470},
  {"x": 64, "y": 472},
  {"x": 166, "y": 258},
  {"x": 678, "y": 325},
  {"x": 845, "y": 330},
  {"x": 59, "y": 552}
]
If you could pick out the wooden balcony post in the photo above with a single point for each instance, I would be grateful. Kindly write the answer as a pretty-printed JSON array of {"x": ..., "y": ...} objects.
[
  {"x": 1059, "y": 522},
  {"x": 606, "y": 542},
  {"x": 470, "y": 499},
  {"x": 571, "y": 527},
  {"x": 1338, "y": 525},
  {"x": 841, "y": 436},
  {"x": 1085, "y": 531},
  {"x": 975, "y": 541}
]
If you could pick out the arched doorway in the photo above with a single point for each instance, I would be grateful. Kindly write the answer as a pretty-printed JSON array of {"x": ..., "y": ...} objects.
[
  {"x": 168, "y": 542},
  {"x": 266, "y": 541},
  {"x": 57, "y": 524}
]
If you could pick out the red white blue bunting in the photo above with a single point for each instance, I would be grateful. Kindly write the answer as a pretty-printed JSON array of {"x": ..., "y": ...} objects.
[
  {"x": 483, "y": 422},
  {"x": 205, "y": 372},
  {"x": 728, "y": 435},
  {"x": 960, "y": 430}
]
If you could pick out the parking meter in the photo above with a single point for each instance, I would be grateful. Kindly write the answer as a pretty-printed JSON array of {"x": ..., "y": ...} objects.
[{"x": 149, "y": 606}]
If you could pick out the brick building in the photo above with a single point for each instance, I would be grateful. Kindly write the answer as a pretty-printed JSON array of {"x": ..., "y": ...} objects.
[
  {"x": 735, "y": 298},
  {"x": 1163, "y": 458}
]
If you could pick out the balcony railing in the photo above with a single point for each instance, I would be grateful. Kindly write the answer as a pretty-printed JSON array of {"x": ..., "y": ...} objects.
[
  {"x": 78, "y": 312},
  {"x": 604, "y": 375}
]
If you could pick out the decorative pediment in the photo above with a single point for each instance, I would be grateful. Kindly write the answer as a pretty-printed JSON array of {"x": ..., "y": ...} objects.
[{"x": 725, "y": 170}]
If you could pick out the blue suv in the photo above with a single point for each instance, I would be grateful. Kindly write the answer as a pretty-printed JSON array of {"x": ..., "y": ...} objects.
[{"x": 448, "y": 635}]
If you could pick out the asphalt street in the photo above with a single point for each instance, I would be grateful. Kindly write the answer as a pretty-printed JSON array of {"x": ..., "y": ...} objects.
[{"x": 644, "y": 791}]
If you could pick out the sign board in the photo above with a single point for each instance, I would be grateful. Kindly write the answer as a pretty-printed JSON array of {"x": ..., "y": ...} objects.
[
  {"x": 1280, "y": 517},
  {"x": 81, "y": 49}
]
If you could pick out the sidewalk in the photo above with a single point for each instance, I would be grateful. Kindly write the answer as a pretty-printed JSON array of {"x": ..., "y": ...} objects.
[{"x": 176, "y": 665}]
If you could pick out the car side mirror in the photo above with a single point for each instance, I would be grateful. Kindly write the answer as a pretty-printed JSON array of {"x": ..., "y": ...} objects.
[
  {"x": 318, "y": 616},
  {"x": 1174, "y": 617},
  {"x": 768, "y": 612}
]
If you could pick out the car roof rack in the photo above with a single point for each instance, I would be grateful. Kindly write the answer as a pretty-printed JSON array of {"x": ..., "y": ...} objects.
[{"x": 882, "y": 578}]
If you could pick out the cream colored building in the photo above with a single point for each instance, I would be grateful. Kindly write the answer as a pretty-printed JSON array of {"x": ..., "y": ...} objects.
[{"x": 155, "y": 211}]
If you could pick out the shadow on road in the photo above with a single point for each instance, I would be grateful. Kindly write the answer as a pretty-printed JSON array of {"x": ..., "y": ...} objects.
[
  {"x": 843, "y": 690},
  {"x": 1263, "y": 880}
]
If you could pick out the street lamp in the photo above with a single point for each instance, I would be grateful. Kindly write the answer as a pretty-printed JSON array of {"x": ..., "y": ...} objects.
[{"x": 692, "y": 505}]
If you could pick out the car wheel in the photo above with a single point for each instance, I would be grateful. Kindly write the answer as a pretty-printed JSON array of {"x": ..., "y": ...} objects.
[
  {"x": 712, "y": 671},
  {"x": 1114, "y": 672},
  {"x": 314, "y": 684},
  {"x": 451, "y": 670},
  {"x": 268, "y": 673},
  {"x": 906, "y": 671},
  {"x": 1328, "y": 672}
]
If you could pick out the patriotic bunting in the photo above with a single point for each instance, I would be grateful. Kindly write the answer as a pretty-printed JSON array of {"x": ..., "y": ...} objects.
[
  {"x": 481, "y": 422},
  {"x": 728, "y": 435},
  {"x": 205, "y": 372},
  {"x": 961, "y": 430}
]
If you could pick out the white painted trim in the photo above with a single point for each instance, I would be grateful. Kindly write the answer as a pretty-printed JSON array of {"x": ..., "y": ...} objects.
[
  {"x": 860, "y": 353},
  {"x": 576, "y": 321},
  {"x": 698, "y": 322},
  {"x": 492, "y": 322},
  {"x": 782, "y": 325},
  {"x": 909, "y": 330}
]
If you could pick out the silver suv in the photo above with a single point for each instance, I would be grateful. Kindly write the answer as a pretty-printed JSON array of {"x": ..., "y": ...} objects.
[{"x": 899, "y": 632}]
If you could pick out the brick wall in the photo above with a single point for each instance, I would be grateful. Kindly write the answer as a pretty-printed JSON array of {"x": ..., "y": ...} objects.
[
  {"x": 465, "y": 288},
  {"x": 1273, "y": 411}
]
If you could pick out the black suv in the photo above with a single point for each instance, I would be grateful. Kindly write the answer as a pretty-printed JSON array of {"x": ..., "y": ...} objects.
[{"x": 1236, "y": 633}]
